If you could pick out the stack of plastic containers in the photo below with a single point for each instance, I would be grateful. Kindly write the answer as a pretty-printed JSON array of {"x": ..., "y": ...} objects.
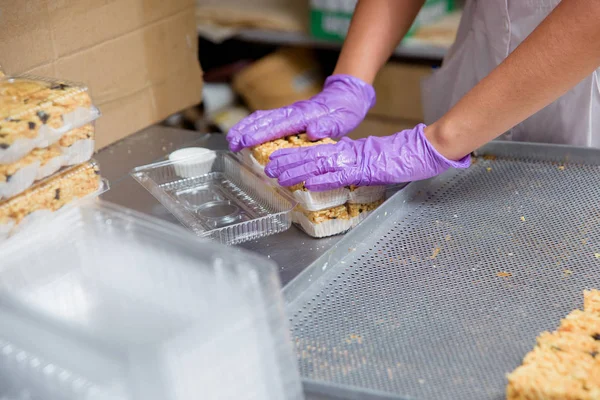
[
  {"x": 105, "y": 303},
  {"x": 319, "y": 214},
  {"x": 46, "y": 142}
]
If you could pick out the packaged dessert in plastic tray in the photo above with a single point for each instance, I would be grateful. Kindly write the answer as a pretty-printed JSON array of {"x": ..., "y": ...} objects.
[
  {"x": 335, "y": 220},
  {"x": 324, "y": 223},
  {"x": 74, "y": 147},
  {"x": 315, "y": 201},
  {"x": 48, "y": 196},
  {"x": 217, "y": 196},
  {"x": 106, "y": 303},
  {"x": 37, "y": 112}
]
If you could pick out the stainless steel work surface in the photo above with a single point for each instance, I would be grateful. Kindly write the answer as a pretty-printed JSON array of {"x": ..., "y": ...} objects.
[
  {"x": 443, "y": 290},
  {"x": 292, "y": 250}
]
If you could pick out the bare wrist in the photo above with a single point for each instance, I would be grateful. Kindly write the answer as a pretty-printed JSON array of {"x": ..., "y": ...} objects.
[{"x": 445, "y": 140}]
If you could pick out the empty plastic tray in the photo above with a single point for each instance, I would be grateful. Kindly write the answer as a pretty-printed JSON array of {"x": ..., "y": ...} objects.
[
  {"x": 108, "y": 304},
  {"x": 218, "y": 197}
]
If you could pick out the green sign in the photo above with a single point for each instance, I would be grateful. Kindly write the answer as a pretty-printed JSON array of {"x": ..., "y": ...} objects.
[{"x": 330, "y": 19}]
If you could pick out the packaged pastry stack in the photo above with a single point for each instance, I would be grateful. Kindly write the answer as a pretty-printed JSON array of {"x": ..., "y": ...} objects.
[
  {"x": 320, "y": 214},
  {"x": 46, "y": 146}
]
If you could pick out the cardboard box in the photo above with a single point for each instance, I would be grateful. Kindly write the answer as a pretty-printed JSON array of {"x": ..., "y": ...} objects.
[
  {"x": 280, "y": 15},
  {"x": 139, "y": 57},
  {"x": 398, "y": 88},
  {"x": 279, "y": 79},
  {"x": 330, "y": 19},
  {"x": 375, "y": 126}
]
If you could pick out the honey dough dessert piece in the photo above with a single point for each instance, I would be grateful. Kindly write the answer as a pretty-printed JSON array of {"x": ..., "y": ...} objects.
[
  {"x": 47, "y": 154},
  {"x": 555, "y": 375},
  {"x": 581, "y": 322},
  {"x": 318, "y": 217},
  {"x": 74, "y": 135},
  {"x": 53, "y": 193},
  {"x": 42, "y": 162},
  {"x": 44, "y": 155},
  {"x": 297, "y": 139},
  {"x": 299, "y": 186},
  {"x": 570, "y": 342},
  {"x": 8, "y": 170},
  {"x": 354, "y": 210},
  {"x": 591, "y": 301},
  {"x": 262, "y": 152},
  {"x": 28, "y": 104},
  {"x": 564, "y": 364},
  {"x": 302, "y": 140}
]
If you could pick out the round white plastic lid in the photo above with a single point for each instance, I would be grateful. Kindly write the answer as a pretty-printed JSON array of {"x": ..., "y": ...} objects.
[{"x": 192, "y": 155}]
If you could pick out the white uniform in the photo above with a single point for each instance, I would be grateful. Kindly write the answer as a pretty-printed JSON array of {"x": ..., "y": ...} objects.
[{"x": 488, "y": 32}]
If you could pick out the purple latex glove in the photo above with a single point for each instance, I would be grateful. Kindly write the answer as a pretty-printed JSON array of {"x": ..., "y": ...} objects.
[
  {"x": 403, "y": 157},
  {"x": 334, "y": 112}
]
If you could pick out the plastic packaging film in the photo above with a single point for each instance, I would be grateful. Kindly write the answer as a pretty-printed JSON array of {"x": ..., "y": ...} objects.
[{"x": 114, "y": 304}]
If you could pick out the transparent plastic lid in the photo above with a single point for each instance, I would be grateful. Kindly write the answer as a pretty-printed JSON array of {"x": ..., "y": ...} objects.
[
  {"x": 218, "y": 197},
  {"x": 36, "y": 112},
  {"x": 106, "y": 303}
]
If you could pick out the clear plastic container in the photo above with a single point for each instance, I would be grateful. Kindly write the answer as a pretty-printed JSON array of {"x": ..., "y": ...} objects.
[
  {"x": 218, "y": 197},
  {"x": 105, "y": 303},
  {"x": 316, "y": 201},
  {"x": 74, "y": 147},
  {"x": 36, "y": 112},
  {"x": 48, "y": 196}
]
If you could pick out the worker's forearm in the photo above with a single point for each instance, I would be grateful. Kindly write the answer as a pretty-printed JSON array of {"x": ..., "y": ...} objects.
[
  {"x": 560, "y": 53},
  {"x": 376, "y": 29}
]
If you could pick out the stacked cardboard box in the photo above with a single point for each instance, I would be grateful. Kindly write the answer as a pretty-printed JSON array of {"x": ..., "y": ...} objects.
[
  {"x": 139, "y": 57},
  {"x": 398, "y": 107}
]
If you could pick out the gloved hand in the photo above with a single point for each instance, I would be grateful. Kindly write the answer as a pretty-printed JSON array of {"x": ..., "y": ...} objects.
[
  {"x": 403, "y": 157},
  {"x": 334, "y": 112}
]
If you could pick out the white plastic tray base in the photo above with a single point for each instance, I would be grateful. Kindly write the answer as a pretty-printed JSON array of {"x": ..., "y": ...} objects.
[
  {"x": 315, "y": 201},
  {"x": 328, "y": 228},
  {"x": 5, "y": 229},
  {"x": 19, "y": 181},
  {"x": 324, "y": 229},
  {"x": 366, "y": 194}
]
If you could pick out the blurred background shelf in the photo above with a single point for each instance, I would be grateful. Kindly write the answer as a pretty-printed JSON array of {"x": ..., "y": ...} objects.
[{"x": 405, "y": 50}]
